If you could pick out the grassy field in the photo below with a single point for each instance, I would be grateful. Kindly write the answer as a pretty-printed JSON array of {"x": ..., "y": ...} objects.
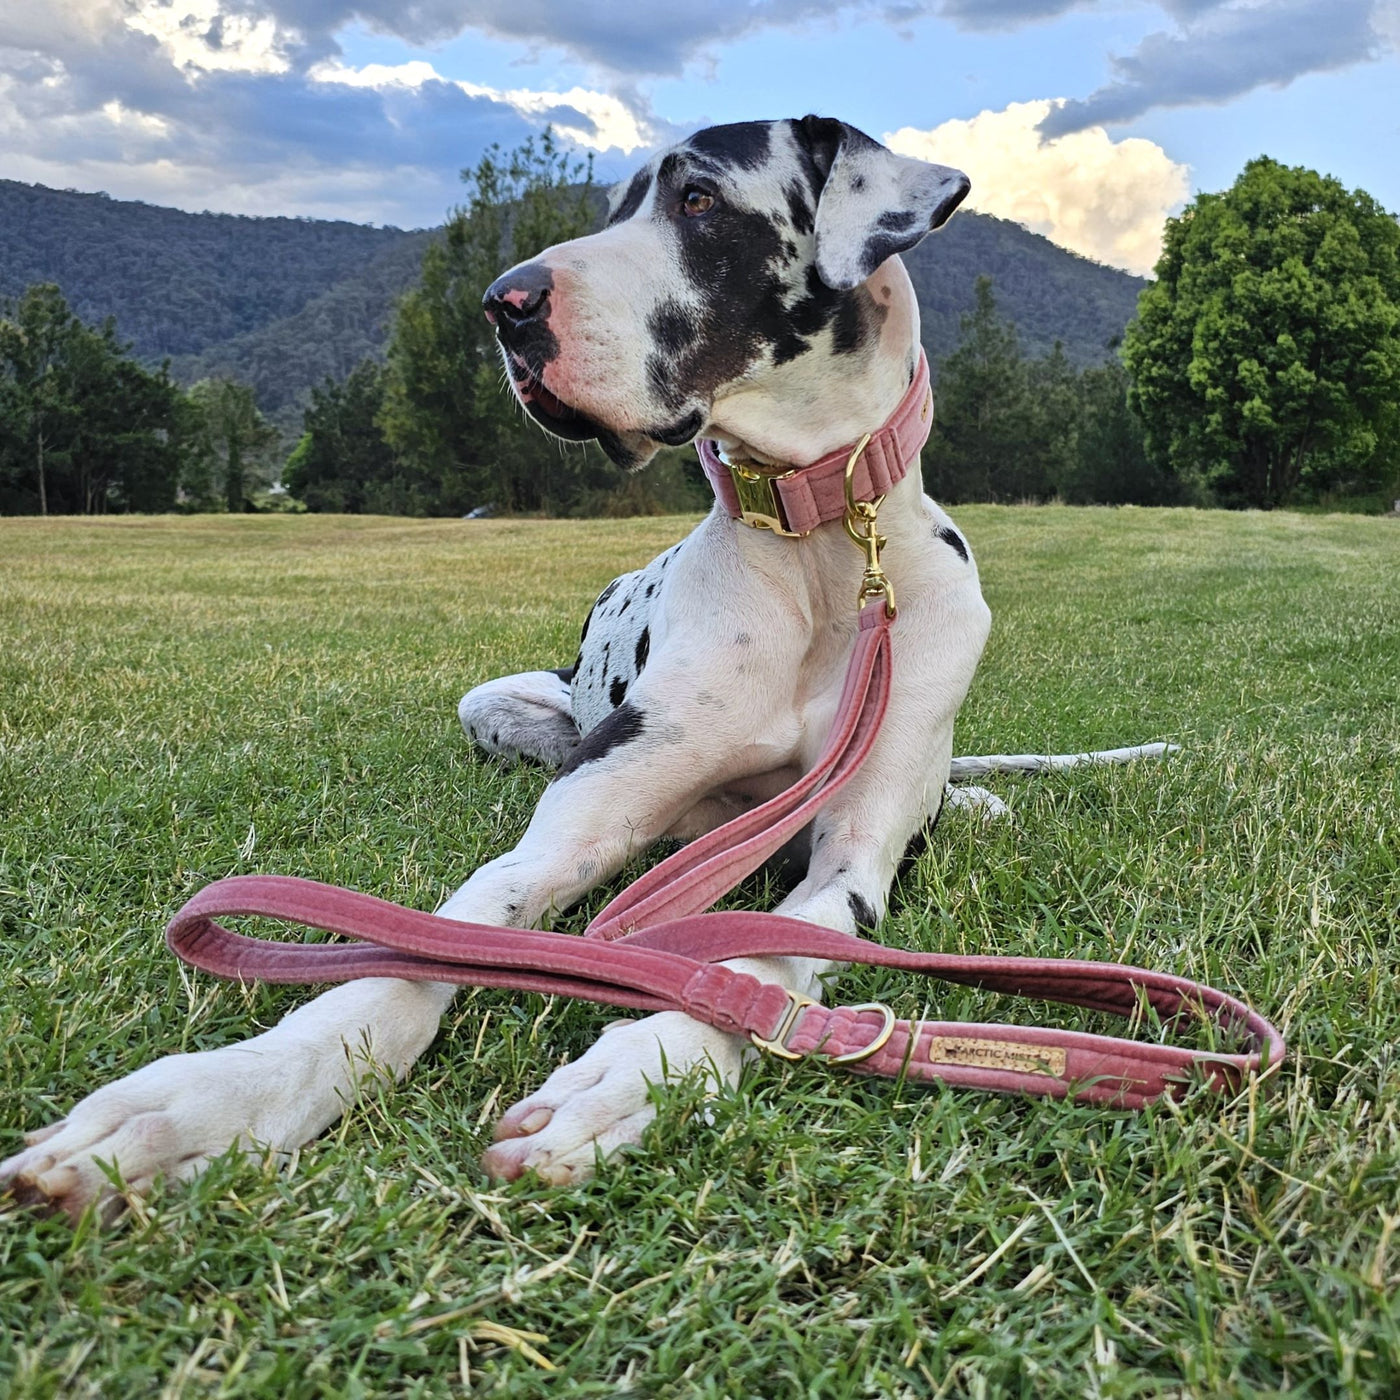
[{"x": 184, "y": 699}]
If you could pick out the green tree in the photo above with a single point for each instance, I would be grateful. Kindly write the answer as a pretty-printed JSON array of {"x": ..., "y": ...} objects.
[
  {"x": 35, "y": 336},
  {"x": 1054, "y": 411},
  {"x": 1267, "y": 353},
  {"x": 83, "y": 427},
  {"x": 1110, "y": 464},
  {"x": 446, "y": 415},
  {"x": 128, "y": 435},
  {"x": 981, "y": 392},
  {"x": 234, "y": 442},
  {"x": 342, "y": 462},
  {"x": 992, "y": 439}
]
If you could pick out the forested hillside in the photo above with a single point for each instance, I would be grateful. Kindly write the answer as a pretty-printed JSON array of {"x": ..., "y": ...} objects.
[
  {"x": 1046, "y": 292},
  {"x": 329, "y": 335},
  {"x": 176, "y": 283},
  {"x": 282, "y": 303}
]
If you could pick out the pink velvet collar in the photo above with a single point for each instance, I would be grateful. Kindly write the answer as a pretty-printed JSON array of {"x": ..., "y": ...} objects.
[{"x": 795, "y": 502}]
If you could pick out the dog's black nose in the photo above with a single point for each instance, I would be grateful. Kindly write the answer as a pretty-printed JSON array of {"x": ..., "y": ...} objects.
[{"x": 519, "y": 297}]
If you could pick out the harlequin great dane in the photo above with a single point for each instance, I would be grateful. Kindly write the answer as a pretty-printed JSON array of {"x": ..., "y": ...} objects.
[{"x": 746, "y": 288}]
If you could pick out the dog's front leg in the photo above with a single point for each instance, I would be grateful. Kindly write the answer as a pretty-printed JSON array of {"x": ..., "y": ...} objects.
[
  {"x": 277, "y": 1090},
  {"x": 623, "y": 794},
  {"x": 280, "y": 1089}
]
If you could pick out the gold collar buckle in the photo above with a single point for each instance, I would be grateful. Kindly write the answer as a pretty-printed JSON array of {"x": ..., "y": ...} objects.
[{"x": 760, "y": 505}]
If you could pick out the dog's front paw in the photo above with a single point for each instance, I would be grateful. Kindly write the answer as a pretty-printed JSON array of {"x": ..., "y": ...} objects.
[
  {"x": 600, "y": 1102},
  {"x": 169, "y": 1119}
]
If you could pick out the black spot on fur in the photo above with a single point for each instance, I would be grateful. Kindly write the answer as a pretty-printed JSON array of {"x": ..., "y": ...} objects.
[
  {"x": 607, "y": 593},
  {"x": 848, "y": 332},
  {"x": 617, "y": 691},
  {"x": 671, "y": 327},
  {"x": 623, "y": 726},
  {"x": 861, "y": 910},
  {"x": 952, "y": 538},
  {"x": 918, "y": 842},
  {"x": 744, "y": 301},
  {"x": 820, "y": 138},
  {"x": 879, "y": 247},
  {"x": 626, "y": 603},
  {"x": 895, "y": 220},
  {"x": 643, "y": 647},
  {"x": 742, "y": 144},
  {"x": 632, "y": 200},
  {"x": 566, "y": 673},
  {"x": 857, "y": 183},
  {"x": 799, "y": 209},
  {"x": 619, "y": 453}
]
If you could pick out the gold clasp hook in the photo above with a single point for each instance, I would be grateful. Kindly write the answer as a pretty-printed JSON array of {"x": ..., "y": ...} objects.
[{"x": 860, "y": 523}]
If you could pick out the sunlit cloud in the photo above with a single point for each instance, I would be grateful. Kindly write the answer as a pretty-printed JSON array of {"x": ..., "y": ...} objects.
[
  {"x": 610, "y": 123},
  {"x": 1103, "y": 198},
  {"x": 200, "y": 37},
  {"x": 127, "y": 118}
]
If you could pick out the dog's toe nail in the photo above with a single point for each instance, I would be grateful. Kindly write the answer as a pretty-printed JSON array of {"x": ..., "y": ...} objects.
[
  {"x": 555, "y": 1174},
  {"x": 535, "y": 1120},
  {"x": 516, "y": 1124}
]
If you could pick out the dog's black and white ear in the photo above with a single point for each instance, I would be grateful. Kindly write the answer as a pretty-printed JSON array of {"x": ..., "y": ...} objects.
[{"x": 873, "y": 203}]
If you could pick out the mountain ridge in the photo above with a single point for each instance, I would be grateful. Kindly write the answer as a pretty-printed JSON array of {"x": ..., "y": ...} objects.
[{"x": 281, "y": 302}]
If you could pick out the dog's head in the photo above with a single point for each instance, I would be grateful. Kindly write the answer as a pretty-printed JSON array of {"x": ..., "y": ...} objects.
[{"x": 739, "y": 252}]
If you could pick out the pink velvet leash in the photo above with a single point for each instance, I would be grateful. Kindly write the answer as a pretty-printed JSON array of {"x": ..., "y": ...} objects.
[{"x": 652, "y": 949}]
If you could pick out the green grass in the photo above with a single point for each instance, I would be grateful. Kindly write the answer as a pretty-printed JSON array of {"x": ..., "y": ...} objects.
[{"x": 183, "y": 699}]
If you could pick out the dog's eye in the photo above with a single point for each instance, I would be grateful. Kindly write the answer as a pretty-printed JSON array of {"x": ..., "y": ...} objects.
[{"x": 696, "y": 201}]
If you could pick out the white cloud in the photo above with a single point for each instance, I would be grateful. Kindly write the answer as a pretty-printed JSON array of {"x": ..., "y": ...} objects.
[
  {"x": 199, "y": 37},
  {"x": 126, "y": 117},
  {"x": 1385, "y": 20},
  {"x": 1103, "y": 198},
  {"x": 611, "y": 123},
  {"x": 376, "y": 75}
]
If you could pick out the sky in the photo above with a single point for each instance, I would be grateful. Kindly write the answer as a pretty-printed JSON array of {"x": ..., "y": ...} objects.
[{"x": 1088, "y": 121}]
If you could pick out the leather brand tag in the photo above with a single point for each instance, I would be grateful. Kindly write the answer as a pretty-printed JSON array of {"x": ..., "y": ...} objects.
[{"x": 997, "y": 1054}]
